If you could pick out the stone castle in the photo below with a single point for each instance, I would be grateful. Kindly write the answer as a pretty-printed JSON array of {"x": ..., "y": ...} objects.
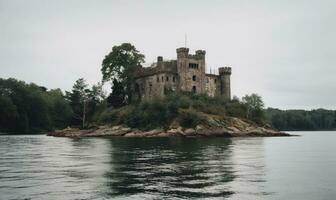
[{"x": 186, "y": 73}]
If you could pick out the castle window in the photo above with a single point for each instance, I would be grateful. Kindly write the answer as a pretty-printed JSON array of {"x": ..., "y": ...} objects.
[
  {"x": 194, "y": 78},
  {"x": 167, "y": 78},
  {"x": 157, "y": 79},
  {"x": 194, "y": 89},
  {"x": 193, "y": 65},
  {"x": 215, "y": 80},
  {"x": 162, "y": 78},
  {"x": 173, "y": 78}
]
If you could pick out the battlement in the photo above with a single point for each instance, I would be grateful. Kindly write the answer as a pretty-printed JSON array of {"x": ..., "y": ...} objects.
[
  {"x": 182, "y": 50},
  {"x": 200, "y": 52},
  {"x": 225, "y": 70}
]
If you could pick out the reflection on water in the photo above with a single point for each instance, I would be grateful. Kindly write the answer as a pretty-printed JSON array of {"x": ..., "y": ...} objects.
[
  {"x": 173, "y": 168},
  {"x": 41, "y": 167}
]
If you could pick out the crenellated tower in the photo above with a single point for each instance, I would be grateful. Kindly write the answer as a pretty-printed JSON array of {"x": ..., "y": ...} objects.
[
  {"x": 191, "y": 70},
  {"x": 225, "y": 74}
]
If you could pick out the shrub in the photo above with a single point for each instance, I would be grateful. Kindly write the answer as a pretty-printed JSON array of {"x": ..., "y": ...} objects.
[
  {"x": 189, "y": 118},
  {"x": 186, "y": 108},
  {"x": 109, "y": 115}
]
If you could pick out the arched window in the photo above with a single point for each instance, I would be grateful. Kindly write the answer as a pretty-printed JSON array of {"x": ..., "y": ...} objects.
[{"x": 194, "y": 78}]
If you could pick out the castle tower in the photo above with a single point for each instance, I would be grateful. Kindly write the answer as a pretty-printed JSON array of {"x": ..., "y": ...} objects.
[
  {"x": 191, "y": 70},
  {"x": 224, "y": 74},
  {"x": 182, "y": 66}
]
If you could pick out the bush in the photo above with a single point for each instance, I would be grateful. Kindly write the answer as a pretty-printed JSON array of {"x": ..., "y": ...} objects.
[
  {"x": 186, "y": 108},
  {"x": 109, "y": 115},
  {"x": 189, "y": 118}
]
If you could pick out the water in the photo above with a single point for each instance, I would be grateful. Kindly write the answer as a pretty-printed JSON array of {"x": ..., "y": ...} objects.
[{"x": 42, "y": 167}]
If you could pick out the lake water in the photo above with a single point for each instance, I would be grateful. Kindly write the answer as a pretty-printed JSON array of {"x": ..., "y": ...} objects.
[{"x": 42, "y": 167}]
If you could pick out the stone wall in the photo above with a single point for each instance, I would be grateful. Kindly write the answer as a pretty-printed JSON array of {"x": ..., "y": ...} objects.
[
  {"x": 212, "y": 84},
  {"x": 155, "y": 86}
]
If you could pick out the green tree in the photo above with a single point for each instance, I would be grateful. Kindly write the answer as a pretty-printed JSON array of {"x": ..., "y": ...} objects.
[
  {"x": 254, "y": 107},
  {"x": 118, "y": 95},
  {"x": 59, "y": 108},
  {"x": 95, "y": 101},
  {"x": 121, "y": 64},
  {"x": 8, "y": 113},
  {"x": 25, "y": 107},
  {"x": 78, "y": 98}
]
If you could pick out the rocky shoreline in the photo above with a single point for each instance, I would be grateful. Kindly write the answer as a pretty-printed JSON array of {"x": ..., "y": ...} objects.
[{"x": 232, "y": 127}]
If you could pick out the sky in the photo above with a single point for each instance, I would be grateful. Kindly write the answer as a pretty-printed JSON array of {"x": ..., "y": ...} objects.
[{"x": 284, "y": 50}]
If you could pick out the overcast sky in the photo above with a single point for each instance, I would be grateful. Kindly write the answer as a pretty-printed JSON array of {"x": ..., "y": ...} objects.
[{"x": 284, "y": 50}]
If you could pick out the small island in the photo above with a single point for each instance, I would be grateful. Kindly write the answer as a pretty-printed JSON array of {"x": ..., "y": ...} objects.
[
  {"x": 170, "y": 98},
  {"x": 216, "y": 127}
]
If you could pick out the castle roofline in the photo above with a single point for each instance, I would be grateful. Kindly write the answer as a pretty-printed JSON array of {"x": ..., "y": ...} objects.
[
  {"x": 214, "y": 75},
  {"x": 157, "y": 68}
]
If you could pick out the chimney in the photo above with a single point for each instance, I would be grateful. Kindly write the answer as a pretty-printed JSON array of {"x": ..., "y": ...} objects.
[{"x": 159, "y": 59}]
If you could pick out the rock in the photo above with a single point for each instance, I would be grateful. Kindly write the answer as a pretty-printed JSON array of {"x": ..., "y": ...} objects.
[
  {"x": 234, "y": 129},
  {"x": 189, "y": 132},
  {"x": 212, "y": 125},
  {"x": 132, "y": 134},
  {"x": 153, "y": 132},
  {"x": 163, "y": 134},
  {"x": 175, "y": 132}
]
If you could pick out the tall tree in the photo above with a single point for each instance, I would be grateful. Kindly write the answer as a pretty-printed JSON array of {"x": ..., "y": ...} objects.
[
  {"x": 78, "y": 98},
  {"x": 95, "y": 101},
  {"x": 120, "y": 64},
  {"x": 117, "y": 96},
  {"x": 254, "y": 105}
]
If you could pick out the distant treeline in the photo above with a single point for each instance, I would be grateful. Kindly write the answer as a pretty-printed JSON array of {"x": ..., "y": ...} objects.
[
  {"x": 29, "y": 108},
  {"x": 319, "y": 119}
]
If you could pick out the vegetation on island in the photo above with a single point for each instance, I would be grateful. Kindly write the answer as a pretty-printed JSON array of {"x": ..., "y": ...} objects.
[
  {"x": 186, "y": 109},
  {"x": 29, "y": 108}
]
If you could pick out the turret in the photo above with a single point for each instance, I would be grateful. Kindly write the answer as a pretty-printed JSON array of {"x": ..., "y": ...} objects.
[
  {"x": 182, "y": 52},
  {"x": 191, "y": 70},
  {"x": 224, "y": 74},
  {"x": 200, "y": 53}
]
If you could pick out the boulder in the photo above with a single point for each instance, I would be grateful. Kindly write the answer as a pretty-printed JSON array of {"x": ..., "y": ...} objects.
[{"x": 189, "y": 132}]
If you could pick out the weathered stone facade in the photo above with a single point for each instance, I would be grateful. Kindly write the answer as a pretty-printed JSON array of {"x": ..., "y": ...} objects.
[{"x": 186, "y": 73}]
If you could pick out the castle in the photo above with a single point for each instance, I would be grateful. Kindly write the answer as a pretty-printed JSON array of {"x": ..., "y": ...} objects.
[{"x": 186, "y": 73}]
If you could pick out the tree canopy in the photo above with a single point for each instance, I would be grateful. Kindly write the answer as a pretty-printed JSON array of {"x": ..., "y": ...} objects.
[
  {"x": 120, "y": 64},
  {"x": 31, "y": 108},
  {"x": 254, "y": 107}
]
